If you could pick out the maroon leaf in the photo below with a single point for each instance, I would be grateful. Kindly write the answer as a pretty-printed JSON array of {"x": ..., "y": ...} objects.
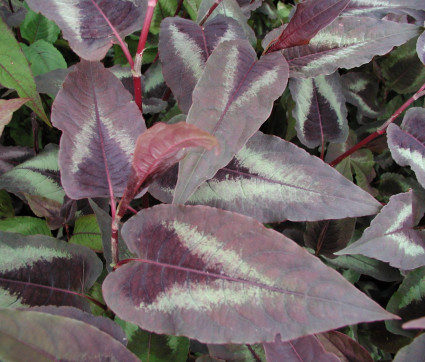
[
  {"x": 83, "y": 25},
  {"x": 320, "y": 110},
  {"x": 40, "y": 270},
  {"x": 184, "y": 48},
  {"x": 100, "y": 124},
  {"x": 238, "y": 92},
  {"x": 27, "y": 335},
  {"x": 244, "y": 281},
  {"x": 310, "y": 17}
]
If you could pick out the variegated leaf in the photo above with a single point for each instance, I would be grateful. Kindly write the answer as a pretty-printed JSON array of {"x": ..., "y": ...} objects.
[
  {"x": 40, "y": 270},
  {"x": 100, "y": 124},
  {"x": 420, "y": 47},
  {"x": 272, "y": 180},
  {"x": 347, "y": 42},
  {"x": 391, "y": 236},
  {"x": 232, "y": 99},
  {"x": 11, "y": 156},
  {"x": 184, "y": 47},
  {"x": 84, "y": 26},
  {"x": 246, "y": 282},
  {"x": 320, "y": 110},
  {"x": 407, "y": 143}
]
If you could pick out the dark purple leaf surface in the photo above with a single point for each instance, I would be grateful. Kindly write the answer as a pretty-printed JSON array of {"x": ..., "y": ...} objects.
[
  {"x": 391, "y": 236},
  {"x": 412, "y": 352},
  {"x": 12, "y": 156},
  {"x": 40, "y": 270},
  {"x": 246, "y": 282},
  {"x": 420, "y": 47},
  {"x": 184, "y": 48},
  {"x": 310, "y": 17},
  {"x": 100, "y": 124},
  {"x": 86, "y": 30},
  {"x": 27, "y": 335},
  {"x": 347, "y": 42},
  {"x": 272, "y": 180},
  {"x": 320, "y": 110},
  {"x": 304, "y": 349},
  {"x": 232, "y": 99},
  {"x": 407, "y": 143}
]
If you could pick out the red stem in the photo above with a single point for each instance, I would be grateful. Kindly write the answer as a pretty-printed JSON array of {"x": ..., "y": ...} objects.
[
  {"x": 381, "y": 130},
  {"x": 209, "y": 12}
]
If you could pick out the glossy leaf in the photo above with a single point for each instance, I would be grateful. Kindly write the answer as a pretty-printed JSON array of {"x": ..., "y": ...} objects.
[
  {"x": 37, "y": 176},
  {"x": 100, "y": 124},
  {"x": 310, "y": 17},
  {"x": 37, "y": 27},
  {"x": 272, "y": 180},
  {"x": 86, "y": 30},
  {"x": 305, "y": 349},
  {"x": 7, "y": 107},
  {"x": 12, "y": 156},
  {"x": 320, "y": 110},
  {"x": 347, "y": 42},
  {"x": 87, "y": 233},
  {"x": 15, "y": 72},
  {"x": 33, "y": 335},
  {"x": 245, "y": 281},
  {"x": 238, "y": 91},
  {"x": 420, "y": 47},
  {"x": 407, "y": 143},
  {"x": 184, "y": 48},
  {"x": 25, "y": 225},
  {"x": 391, "y": 236},
  {"x": 40, "y": 270},
  {"x": 412, "y": 352}
]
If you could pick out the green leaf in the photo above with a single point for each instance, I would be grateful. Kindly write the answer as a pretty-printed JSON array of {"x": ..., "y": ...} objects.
[
  {"x": 6, "y": 207},
  {"x": 25, "y": 225},
  {"x": 192, "y": 8},
  {"x": 163, "y": 9},
  {"x": 36, "y": 27},
  {"x": 87, "y": 233},
  {"x": 43, "y": 57},
  {"x": 15, "y": 72}
]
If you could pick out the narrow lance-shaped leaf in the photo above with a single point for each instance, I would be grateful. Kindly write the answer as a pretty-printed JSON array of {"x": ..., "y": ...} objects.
[
  {"x": 184, "y": 48},
  {"x": 100, "y": 124},
  {"x": 232, "y": 99},
  {"x": 320, "y": 110},
  {"x": 246, "y": 282},
  {"x": 7, "y": 107},
  {"x": 391, "y": 236},
  {"x": 159, "y": 148},
  {"x": 15, "y": 72},
  {"x": 272, "y": 180},
  {"x": 40, "y": 270},
  {"x": 347, "y": 42},
  {"x": 310, "y": 16},
  {"x": 86, "y": 30},
  {"x": 415, "y": 324},
  {"x": 407, "y": 143}
]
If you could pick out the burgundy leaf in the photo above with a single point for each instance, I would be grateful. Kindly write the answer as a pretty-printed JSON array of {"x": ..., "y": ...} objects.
[
  {"x": 420, "y": 47},
  {"x": 12, "y": 156},
  {"x": 232, "y": 99},
  {"x": 320, "y": 110},
  {"x": 84, "y": 26},
  {"x": 412, "y": 352},
  {"x": 347, "y": 42},
  {"x": 100, "y": 124},
  {"x": 27, "y": 335},
  {"x": 310, "y": 17},
  {"x": 391, "y": 236},
  {"x": 415, "y": 324},
  {"x": 7, "y": 107},
  {"x": 48, "y": 208},
  {"x": 201, "y": 266},
  {"x": 272, "y": 180},
  {"x": 304, "y": 349},
  {"x": 40, "y": 270},
  {"x": 184, "y": 48},
  {"x": 407, "y": 143}
]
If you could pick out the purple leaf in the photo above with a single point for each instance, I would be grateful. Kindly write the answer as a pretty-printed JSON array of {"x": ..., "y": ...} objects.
[
  {"x": 391, "y": 236},
  {"x": 310, "y": 17},
  {"x": 12, "y": 156},
  {"x": 347, "y": 42},
  {"x": 420, "y": 47},
  {"x": 412, "y": 352},
  {"x": 272, "y": 180},
  {"x": 83, "y": 25},
  {"x": 232, "y": 99},
  {"x": 184, "y": 48},
  {"x": 51, "y": 82},
  {"x": 100, "y": 124},
  {"x": 29, "y": 335},
  {"x": 40, "y": 270},
  {"x": 304, "y": 349},
  {"x": 407, "y": 143},
  {"x": 415, "y": 324},
  {"x": 320, "y": 110},
  {"x": 244, "y": 281}
]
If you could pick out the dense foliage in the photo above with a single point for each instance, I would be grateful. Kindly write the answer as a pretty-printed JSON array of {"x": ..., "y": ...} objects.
[{"x": 211, "y": 180}]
